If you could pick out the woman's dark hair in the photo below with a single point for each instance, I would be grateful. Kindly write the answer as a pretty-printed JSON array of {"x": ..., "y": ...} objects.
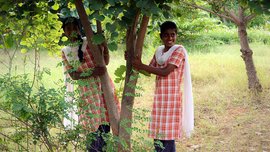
[
  {"x": 167, "y": 25},
  {"x": 76, "y": 22},
  {"x": 80, "y": 52},
  {"x": 72, "y": 20}
]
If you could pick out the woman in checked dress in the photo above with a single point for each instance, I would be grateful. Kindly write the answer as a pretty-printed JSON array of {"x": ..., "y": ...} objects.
[
  {"x": 169, "y": 64},
  {"x": 80, "y": 65}
]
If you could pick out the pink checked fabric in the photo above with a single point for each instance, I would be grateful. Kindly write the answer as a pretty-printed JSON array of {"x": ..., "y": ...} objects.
[
  {"x": 92, "y": 108},
  {"x": 165, "y": 123}
]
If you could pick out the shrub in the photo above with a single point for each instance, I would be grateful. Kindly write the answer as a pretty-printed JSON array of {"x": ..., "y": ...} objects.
[{"x": 259, "y": 35}]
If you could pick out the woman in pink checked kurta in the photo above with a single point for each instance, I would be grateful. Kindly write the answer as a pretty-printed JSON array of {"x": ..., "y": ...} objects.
[
  {"x": 168, "y": 64},
  {"x": 79, "y": 65},
  {"x": 166, "y": 114},
  {"x": 92, "y": 100}
]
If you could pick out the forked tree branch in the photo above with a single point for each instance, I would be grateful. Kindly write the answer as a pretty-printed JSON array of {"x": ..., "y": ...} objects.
[
  {"x": 233, "y": 16},
  {"x": 210, "y": 11},
  {"x": 99, "y": 27},
  {"x": 250, "y": 17}
]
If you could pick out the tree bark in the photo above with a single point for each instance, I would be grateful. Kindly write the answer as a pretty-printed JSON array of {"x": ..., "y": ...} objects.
[
  {"x": 134, "y": 47},
  {"x": 253, "y": 81},
  {"x": 128, "y": 101},
  {"x": 105, "y": 80}
]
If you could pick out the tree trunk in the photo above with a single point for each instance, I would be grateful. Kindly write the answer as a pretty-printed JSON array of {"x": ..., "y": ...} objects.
[
  {"x": 134, "y": 47},
  {"x": 105, "y": 81},
  {"x": 125, "y": 126},
  {"x": 127, "y": 100},
  {"x": 253, "y": 81}
]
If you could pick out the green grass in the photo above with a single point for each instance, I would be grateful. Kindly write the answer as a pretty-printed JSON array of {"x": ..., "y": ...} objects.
[{"x": 227, "y": 116}]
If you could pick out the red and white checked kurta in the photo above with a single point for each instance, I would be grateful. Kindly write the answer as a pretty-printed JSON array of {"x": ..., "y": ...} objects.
[
  {"x": 92, "y": 108},
  {"x": 165, "y": 123}
]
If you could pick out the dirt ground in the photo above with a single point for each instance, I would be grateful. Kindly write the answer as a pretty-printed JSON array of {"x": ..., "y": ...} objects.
[{"x": 244, "y": 126}]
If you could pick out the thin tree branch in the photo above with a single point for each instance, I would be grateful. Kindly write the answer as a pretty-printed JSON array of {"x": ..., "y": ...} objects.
[
  {"x": 130, "y": 44},
  {"x": 207, "y": 10},
  {"x": 35, "y": 71},
  {"x": 6, "y": 52},
  {"x": 141, "y": 36},
  {"x": 99, "y": 27},
  {"x": 48, "y": 143},
  {"x": 26, "y": 124},
  {"x": 233, "y": 16},
  {"x": 5, "y": 48},
  {"x": 250, "y": 17},
  {"x": 132, "y": 36},
  {"x": 6, "y": 65},
  {"x": 241, "y": 15},
  {"x": 13, "y": 141}
]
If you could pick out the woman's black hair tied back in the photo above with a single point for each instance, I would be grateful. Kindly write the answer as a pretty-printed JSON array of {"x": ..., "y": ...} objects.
[
  {"x": 75, "y": 21},
  {"x": 80, "y": 52},
  {"x": 72, "y": 20}
]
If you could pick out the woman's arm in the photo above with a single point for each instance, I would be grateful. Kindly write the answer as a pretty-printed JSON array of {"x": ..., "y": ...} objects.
[
  {"x": 97, "y": 71},
  {"x": 157, "y": 71},
  {"x": 75, "y": 75}
]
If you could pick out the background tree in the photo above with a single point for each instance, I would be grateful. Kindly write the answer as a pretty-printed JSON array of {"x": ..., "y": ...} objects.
[{"x": 239, "y": 12}]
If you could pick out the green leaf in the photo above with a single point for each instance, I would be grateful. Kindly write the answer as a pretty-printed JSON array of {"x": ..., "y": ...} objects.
[
  {"x": 96, "y": 15},
  {"x": 17, "y": 107},
  {"x": 47, "y": 70},
  {"x": 112, "y": 46},
  {"x": 23, "y": 51},
  {"x": 117, "y": 80},
  {"x": 155, "y": 10},
  {"x": 55, "y": 7},
  {"x": 124, "y": 1},
  {"x": 100, "y": 17},
  {"x": 20, "y": 4},
  {"x": 5, "y": 7},
  {"x": 96, "y": 5},
  {"x": 98, "y": 39},
  {"x": 111, "y": 2},
  {"x": 114, "y": 34},
  {"x": 9, "y": 41},
  {"x": 87, "y": 73},
  {"x": 120, "y": 71},
  {"x": 51, "y": 3},
  {"x": 87, "y": 10},
  {"x": 110, "y": 27},
  {"x": 140, "y": 3},
  {"x": 64, "y": 39}
]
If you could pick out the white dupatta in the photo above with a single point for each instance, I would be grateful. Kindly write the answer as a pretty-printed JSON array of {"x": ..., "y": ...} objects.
[
  {"x": 71, "y": 54},
  {"x": 187, "y": 105}
]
